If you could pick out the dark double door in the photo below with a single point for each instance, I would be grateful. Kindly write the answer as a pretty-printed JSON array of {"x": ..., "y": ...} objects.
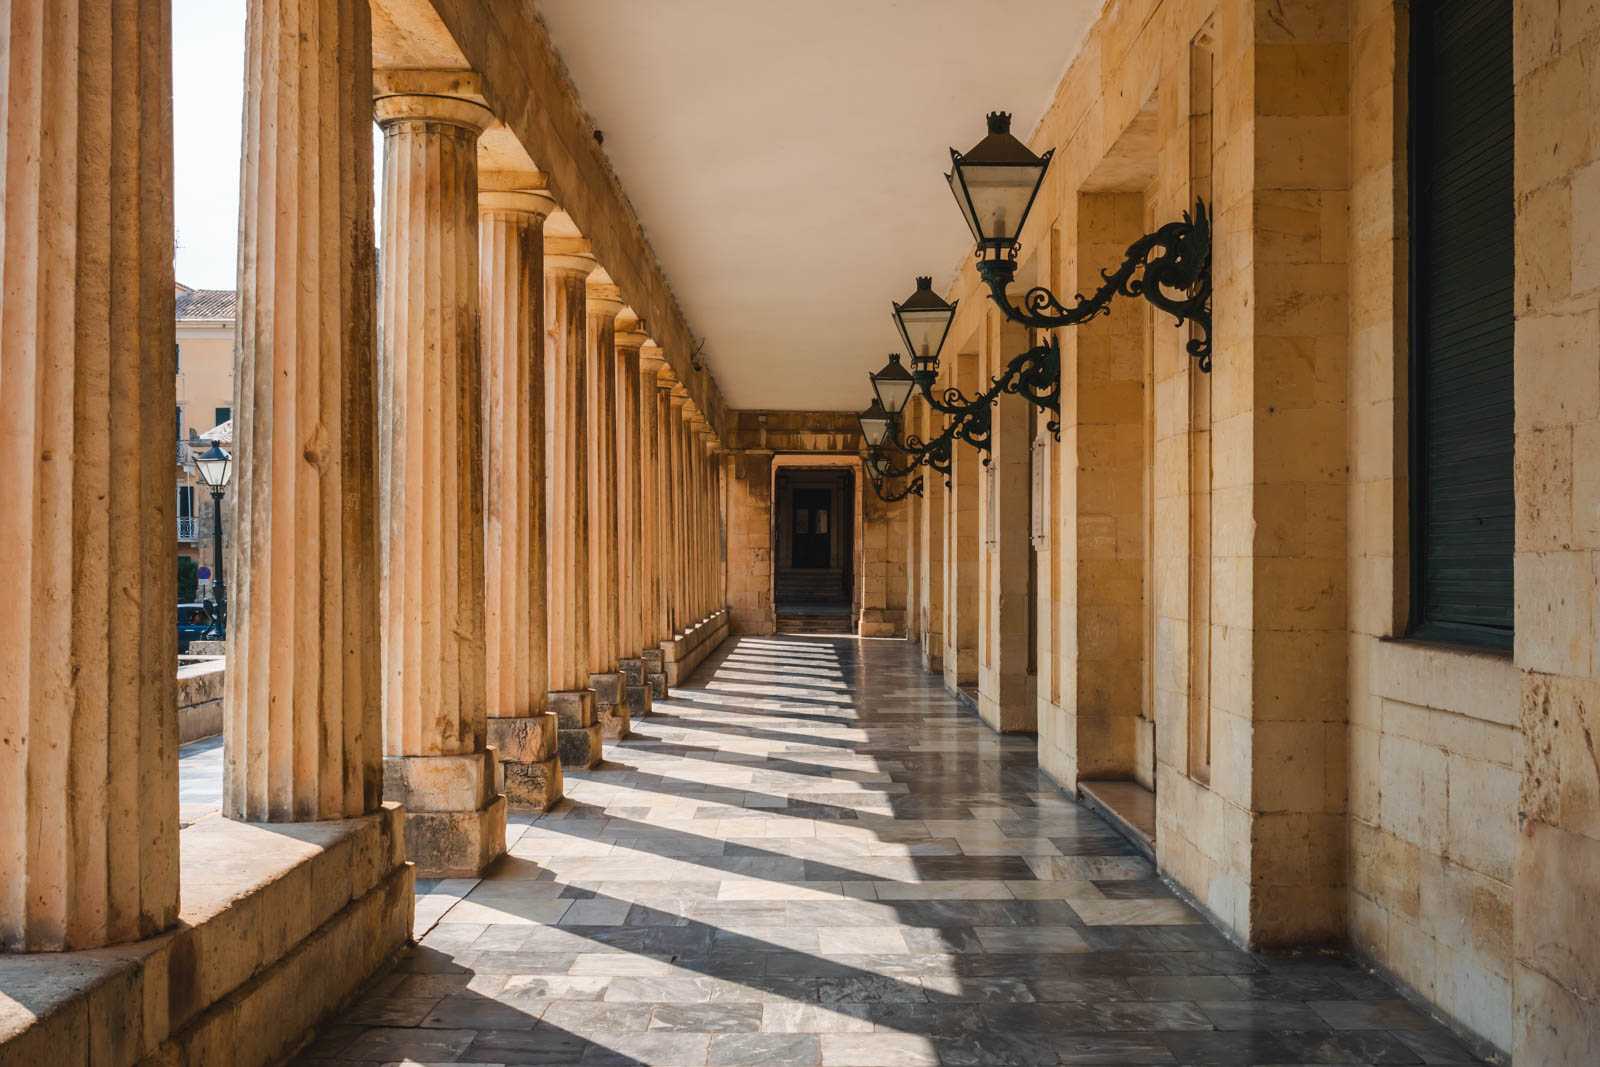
[{"x": 813, "y": 525}]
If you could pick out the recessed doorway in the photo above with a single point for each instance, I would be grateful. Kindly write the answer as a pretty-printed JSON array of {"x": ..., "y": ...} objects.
[{"x": 814, "y": 550}]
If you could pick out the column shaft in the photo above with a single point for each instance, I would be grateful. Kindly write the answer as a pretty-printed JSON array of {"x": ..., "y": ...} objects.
[
  {"x": 605, "y": 620},
  {"x": 651, "y": 537},
  {"x": 676, "y": 485},
  {"x": 88, "y": 722},
  {"x": 520, "y": 727},
  {"x": 431, "y": 469},
  {"x": 567, "y": 265},
  {"x": 630, "y": 550},
  {"x": 302, "y": 737}
]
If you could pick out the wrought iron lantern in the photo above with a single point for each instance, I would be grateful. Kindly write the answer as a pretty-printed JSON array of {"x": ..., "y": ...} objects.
[
  {"x": 893, "y": 385},
  {"x": 995, "y": 183},
  {"x": 875, "y": 424},
  {"x": 923, "y": 319}
]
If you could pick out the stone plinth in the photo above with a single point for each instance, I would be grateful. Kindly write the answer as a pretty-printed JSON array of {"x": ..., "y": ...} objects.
[
  {"x": 635, "y": 688},
  {"x": 578, "y": 739},
  {"x": 611, "y": 704},
  {"x": 529, "y": 769},
  {"x": 455, "y": 818},
  {"x": 88, "y": 720},
  {"x": 655, "y": 675},
  {"x": 430, "y": 449}
]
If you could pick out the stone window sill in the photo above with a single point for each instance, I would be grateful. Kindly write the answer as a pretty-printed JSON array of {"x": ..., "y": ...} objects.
[{"x": 1480, "y": 683}]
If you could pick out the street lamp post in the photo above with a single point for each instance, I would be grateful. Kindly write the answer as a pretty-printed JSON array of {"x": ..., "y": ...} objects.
[{"x": 216, "y": 467}]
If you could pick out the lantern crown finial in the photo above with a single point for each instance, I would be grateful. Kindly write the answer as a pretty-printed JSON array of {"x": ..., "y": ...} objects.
[
  {"x": 999, "y": 122},
  {"x": 925, "y": 282}
]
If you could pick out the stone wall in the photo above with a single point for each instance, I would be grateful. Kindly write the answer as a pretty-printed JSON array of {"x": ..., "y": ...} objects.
[
  {"x": 200, "y": 699},
  {"x": 1231, "y": 625},
  {"x": 1433, "y": 740},
  {"x": 1556, "y": 870},
  {"x": 750, "y": 542}
]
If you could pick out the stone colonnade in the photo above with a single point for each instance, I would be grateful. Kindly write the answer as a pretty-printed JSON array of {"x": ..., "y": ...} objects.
[{"x": 426, "y": 578}]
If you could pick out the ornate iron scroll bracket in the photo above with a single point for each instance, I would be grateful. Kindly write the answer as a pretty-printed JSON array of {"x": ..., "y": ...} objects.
[
  {"x": 1170, "y": 269},
  {"x": 1034, "y": 375},
  {"x": 911, "y": 488}
]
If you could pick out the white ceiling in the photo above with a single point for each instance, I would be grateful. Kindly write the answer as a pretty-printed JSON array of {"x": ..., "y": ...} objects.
[{"x": 787, "y": 159}]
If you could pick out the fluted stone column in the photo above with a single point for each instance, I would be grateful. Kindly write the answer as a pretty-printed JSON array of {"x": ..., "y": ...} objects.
[
  {"x": 520, "y": 727},
  {"x": 605, "y": 620},
  {"x": 430, "y": 449},
  {"x": 302, "y": 730},
  {"x": 694, "y": 469},
  {"x": 630, "y": 513},
  {"x": 652, "y": 539},
  {"x": 681, "y": 513},
  {"x": 702, "y": 455},
  {"x": 567, "y": 265},
  {"x": 88, "y": 653}
]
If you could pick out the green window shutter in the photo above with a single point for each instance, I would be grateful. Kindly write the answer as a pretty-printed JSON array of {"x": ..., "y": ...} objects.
[{"x": 1463, "y": 215}]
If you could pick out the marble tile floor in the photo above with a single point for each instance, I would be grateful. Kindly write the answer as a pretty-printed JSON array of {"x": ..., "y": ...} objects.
[{"x": 813, "y": 855}]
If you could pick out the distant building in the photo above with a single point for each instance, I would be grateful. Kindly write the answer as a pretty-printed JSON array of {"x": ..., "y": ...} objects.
[{"x": 205, "y": 334}]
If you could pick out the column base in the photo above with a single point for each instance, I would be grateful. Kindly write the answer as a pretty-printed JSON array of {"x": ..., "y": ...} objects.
[
  {"x": 611, "y": 704},
  {"x": 529, "y": 769},
  {"x": 455, "y": 820},
  {"x": 578, "y": 739},
  {"x": 655, "y": 673},
  {"x": 636, "y": 687}
]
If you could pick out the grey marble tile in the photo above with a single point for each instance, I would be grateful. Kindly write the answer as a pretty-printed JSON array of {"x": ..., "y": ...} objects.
[{"x": 827, "y": 860}]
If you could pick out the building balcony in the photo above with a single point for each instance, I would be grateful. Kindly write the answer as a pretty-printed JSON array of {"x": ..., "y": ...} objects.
[{"x": 188, "y": 528}]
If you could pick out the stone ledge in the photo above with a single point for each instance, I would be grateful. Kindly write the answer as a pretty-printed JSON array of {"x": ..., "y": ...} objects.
[
  {"x": 278, "y": 924},
  {"x": 683, "y": 653},
  {"x": 200, "y": 687}
]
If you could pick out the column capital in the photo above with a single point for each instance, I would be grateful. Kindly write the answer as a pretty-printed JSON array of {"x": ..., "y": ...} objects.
[
  {"x": 603, "y": 298},
  {"x": 630, "y": 330},
  {"x": 651, "y": 360},
  {"x": 535, "y": 202},
  {"x": 453, "y": 97},
  {"x": 569, "y": 256}
]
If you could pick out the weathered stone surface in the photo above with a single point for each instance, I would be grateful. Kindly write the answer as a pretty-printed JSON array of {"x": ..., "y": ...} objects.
[
  {"x": 580, "y": 746},
  {"x": 607, "y": 687},
  {"x": 567, "y": 265},
  {"x": 304, "y": 733},
  {"x": 456, "y": 844},
  {"x": 531, "y": 786},
  {"x": 88, "y": 718},
  {"x": 511, "y": 278},
  {"x": 200, "y": 689},
  {"x": 523, "y": 740},
  {"x": 616, "y": 721},
  {"x": 574, "y": 709},
  {"x": 440, "y": 783},
  {"x": 279, "y": 926}
]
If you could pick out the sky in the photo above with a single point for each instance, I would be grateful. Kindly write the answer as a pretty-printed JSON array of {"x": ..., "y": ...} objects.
[
  {"x": 208, "y": 115},
  {"x": 207, "y": 111}
]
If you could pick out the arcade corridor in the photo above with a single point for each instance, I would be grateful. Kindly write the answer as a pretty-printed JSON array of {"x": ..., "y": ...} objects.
[{"x": 813, "y": 855}]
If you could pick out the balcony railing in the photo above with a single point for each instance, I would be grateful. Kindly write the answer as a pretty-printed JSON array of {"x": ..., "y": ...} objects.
[
  {"x": 184, "y": 454},
  {"x": 188, "y": 529}
]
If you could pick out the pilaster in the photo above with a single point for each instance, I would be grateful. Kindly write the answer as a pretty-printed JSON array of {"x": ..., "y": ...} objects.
[
  {"x": 520, "y": 727},
  {"x": 430, "y": 446},
  {"x": 88, "y": 693}
]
